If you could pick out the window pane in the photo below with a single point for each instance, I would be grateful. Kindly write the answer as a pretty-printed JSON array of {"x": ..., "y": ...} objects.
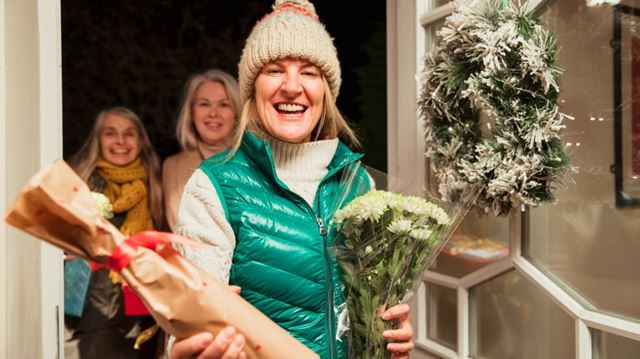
[
  {"x": 511, "y": 318},
  {"x": 431, "y": 37},
  {"x": 442, "y": 315},
  {"x": 587, "y": 242},
  {"x": 442, "y": 2},
  {"x": 479, "y": 240},
  {"x": 610, "y": 346}
]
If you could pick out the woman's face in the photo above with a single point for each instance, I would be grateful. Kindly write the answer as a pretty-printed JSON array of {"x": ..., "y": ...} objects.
[
  {"x": 119, "y": 140},
  {"x": 289, "y": 97},
  {"x": 213, "y": 116}
]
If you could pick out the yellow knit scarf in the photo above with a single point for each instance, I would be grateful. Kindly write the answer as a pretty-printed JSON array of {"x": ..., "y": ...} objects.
[{"x": 127, "y": 191}]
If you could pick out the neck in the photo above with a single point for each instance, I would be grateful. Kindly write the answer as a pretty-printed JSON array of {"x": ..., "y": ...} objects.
[
  {"x": 301, "y": 166},
  {"x": 299, "y": 156},
  {"x": 206, "y": 150}
]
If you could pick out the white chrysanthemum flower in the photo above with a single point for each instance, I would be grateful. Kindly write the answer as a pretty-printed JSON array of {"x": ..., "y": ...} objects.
[
  {"x": 373, "y": 205},
  {"x": 440, "y": 216},
  {"x": 371, "y": 210},
  {"x": 421, "y": 234},
  {"x": 412, "y": 204},
  {"x": 400, "y": 226},
  {"x": 104, "y": 205},
  {"x": 370, "y": 206}
]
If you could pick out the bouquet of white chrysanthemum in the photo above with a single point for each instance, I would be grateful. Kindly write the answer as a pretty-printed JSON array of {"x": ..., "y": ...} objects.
[
  {"x": 104, "y": 205},
  {"x": 387, "y": 241}
]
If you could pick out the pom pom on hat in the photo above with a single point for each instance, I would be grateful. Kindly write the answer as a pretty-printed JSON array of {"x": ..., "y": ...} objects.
[
  {"x": 303, "y": 4},
  {"x": 291, "y": 30}
]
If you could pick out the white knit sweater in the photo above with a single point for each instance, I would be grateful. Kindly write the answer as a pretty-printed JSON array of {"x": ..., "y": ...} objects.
[{"x": 201, "y": 216}]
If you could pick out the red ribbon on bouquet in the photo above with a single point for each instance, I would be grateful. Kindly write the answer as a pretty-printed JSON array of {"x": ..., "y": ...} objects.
[{"x": 122, "y": 254}]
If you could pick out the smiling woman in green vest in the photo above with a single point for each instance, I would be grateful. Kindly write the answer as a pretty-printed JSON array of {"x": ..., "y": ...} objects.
[{"x": 262, "y": 206}]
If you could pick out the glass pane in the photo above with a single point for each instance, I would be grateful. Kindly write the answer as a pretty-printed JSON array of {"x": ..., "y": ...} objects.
[
  {"x": 610, "y": 346},
  {"x": 587, "y": 242},
  {"x": 479, "y": 240},
  {"x": 431, "y": 37},
  {"x": 442, "y": 315},
  {"x": 511, "y": 318}
]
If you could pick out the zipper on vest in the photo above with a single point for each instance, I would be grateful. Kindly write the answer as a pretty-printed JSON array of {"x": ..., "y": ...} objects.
[{"x": 323, "y": 233}]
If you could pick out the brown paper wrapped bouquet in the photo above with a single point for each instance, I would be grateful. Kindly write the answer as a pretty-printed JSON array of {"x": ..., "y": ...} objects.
[{"x": 57, "y": 206}]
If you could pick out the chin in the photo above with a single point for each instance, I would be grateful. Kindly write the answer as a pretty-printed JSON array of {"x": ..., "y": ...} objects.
[
  {"x": 122, "y": 162},
  {"x": 293, "y": 135},
  {"x": 213, "y": 141},
  {"x": 292, "y": 139}
]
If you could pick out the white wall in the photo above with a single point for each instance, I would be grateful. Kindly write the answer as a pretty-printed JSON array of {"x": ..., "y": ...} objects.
[{"x": 30, "y": 136}]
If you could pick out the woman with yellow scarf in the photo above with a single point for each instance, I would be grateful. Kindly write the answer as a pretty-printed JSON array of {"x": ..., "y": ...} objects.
[{"x": 117, "y": 160}]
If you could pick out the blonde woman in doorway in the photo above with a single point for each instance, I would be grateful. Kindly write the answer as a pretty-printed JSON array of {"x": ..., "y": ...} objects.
[
  {"x": 117, "y": 160},
  {"x": 206, "y": 122}
]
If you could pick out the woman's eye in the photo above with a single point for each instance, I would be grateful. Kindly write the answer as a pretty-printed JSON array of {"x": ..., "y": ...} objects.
[
  {"x": 310, "y": 73},
  {"x": 273, "y": 71},
  {"x": 224, "y": 104}
]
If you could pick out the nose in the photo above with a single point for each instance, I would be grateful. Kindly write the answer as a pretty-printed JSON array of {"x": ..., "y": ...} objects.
[
  {"x": 213, "y": 111},
  {"x": 120, "y": 138},
  {"x": 292, "y": 84}
]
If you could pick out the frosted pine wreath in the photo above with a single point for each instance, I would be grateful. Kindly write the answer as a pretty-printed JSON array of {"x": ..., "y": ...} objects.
[{"x": 494, "y": 59}]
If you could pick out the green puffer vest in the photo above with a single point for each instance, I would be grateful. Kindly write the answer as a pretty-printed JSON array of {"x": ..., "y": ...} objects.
[{"x": 283, "y": 256}]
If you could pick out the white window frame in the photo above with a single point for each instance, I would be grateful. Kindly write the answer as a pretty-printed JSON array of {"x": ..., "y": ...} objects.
[
  {"x": 51, "y": 144},
  {"x": 407, "y": 25}
]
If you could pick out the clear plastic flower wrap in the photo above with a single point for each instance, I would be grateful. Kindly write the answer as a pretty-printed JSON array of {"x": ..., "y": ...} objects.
[{"x": 387, "y": 238}]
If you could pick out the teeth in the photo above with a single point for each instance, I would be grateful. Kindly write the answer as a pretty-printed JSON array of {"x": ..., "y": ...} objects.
[{"x": 289, "y": 107}]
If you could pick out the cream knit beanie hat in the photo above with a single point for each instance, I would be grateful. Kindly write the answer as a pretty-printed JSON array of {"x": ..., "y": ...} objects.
[{"x": 293, "y": 30}]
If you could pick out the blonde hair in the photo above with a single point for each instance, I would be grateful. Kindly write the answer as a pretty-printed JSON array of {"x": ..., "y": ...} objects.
[
  {"x": 331, "y": 124},
  {"x": 84, "y": 161},
  {"x": 185, "y": 129}
]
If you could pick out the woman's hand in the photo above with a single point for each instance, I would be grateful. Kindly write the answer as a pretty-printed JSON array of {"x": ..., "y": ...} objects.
[
  {"x": 227, "y": 344},
  {"x": 400, "y": 339}
]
